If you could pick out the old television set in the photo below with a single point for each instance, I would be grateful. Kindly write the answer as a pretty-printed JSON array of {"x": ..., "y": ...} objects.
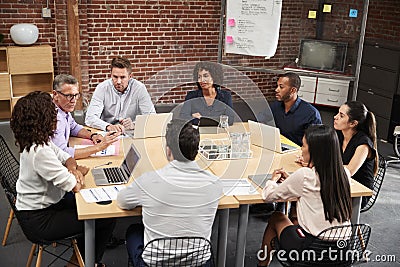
[{"x": 322, "y": 55}]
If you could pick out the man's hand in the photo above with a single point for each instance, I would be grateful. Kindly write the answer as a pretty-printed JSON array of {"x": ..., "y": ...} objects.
[
  {"x": 108, "y": 139},
  {"x": 115, "y": 128},
  {"x": 127, "y": 123},
  {"x": 97, "y": 138}
]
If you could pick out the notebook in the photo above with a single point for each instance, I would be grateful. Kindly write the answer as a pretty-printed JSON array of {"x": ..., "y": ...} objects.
[
  {"x": 117, "y": 175},
  {"x": 151, "y": 125},
  {"x": 268, "y": 137}
]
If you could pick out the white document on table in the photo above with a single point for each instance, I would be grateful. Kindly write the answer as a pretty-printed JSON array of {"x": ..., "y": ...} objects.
[
  {"x": 97, "y": 194},
  {"x": 232, "y": 187},
  {"x": 109, "y": 151}
]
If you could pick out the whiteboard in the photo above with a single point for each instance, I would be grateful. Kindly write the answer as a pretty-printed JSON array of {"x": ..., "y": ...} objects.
[{"x": 252, "y": 27}]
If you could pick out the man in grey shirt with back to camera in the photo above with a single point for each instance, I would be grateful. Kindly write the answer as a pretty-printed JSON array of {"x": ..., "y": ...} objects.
[{"x": 117, "y": 101}]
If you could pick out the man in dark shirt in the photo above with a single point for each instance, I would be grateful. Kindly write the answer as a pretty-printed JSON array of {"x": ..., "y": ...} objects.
[{"x": 292, "y": 115}]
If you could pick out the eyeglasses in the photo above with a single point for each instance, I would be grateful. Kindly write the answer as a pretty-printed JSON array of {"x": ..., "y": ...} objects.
[{"x": 69, "y": 97}]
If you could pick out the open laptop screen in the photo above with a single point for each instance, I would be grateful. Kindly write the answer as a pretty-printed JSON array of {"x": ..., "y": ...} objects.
[
  {"x": 207, "y": 122},
  {"x": 130, "y": 160}
]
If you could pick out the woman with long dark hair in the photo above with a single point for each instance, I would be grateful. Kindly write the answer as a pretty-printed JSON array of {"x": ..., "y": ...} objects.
[
  {"x": 46, "y": 174},
  {"x": 356, "y": 129},
  {"x": 321, "y": 189}
]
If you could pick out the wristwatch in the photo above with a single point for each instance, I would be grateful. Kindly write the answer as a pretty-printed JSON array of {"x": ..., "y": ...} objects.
[{"x": 93, "y": 134}]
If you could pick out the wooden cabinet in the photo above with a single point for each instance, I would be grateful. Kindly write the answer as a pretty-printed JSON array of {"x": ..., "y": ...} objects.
[
  {"x": 324, "y": 91},
  {"x": 379, "y": 78},
  {"x": 23, "y": 70}
]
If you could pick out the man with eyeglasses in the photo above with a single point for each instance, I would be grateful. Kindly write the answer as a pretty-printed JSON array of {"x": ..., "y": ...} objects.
[
  {"x": 116, "y": 101},
  {"x": 65, "y": 95}
]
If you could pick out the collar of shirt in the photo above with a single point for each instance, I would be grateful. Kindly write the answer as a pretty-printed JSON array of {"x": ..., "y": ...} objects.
[
  {"x": 185, "y": 165},
  {"x": 219, "y": 95},
  {"x": 128, "y": 88},
  {"x": 62, "y": 113},
  {"x": 294, "y": 107}
]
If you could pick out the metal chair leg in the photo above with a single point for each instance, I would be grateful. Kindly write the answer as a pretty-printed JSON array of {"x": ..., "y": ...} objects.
[
  {"x": 30, "y": 257},
  {"x": 360, "y": 237},
  {"x": 39, "y": 256},
  {"x": 8, "y": 227}
]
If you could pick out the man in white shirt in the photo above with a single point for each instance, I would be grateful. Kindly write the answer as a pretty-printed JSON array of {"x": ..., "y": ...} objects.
[
  {"x": 116, "y": 101},
  {"x": 180, "y": 199}
]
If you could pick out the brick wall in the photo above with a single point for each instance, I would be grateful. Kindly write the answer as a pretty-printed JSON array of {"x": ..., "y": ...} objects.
[{"x": 157, "y": 34}]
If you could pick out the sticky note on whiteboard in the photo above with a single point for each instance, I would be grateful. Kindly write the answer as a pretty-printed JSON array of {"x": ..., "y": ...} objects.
[
  {"x": 353, "y": 13},
  {"x": 229, "y": 39},
  {"x": 231, "y": 22},
  {"x": 312, "y": 14}
]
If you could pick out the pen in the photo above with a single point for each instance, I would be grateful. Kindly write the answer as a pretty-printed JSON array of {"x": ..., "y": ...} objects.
[
  {"x": 106, "y": 194},
  {"x": 116, "y": 188},
  {"x": 94, "y": 195}
]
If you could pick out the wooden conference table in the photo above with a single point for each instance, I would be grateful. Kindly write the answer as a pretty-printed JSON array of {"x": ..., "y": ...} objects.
[{"x": 153, "y": 157}]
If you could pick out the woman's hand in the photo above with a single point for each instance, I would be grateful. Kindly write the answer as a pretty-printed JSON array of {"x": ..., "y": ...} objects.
[
  {"x": 299, "y": 160},
  {"x": 279, "y": 175},
  {"x": 83, "y": 169},
  {"x": 80, "y": 178},
  {"x": 196, "y": 115}
]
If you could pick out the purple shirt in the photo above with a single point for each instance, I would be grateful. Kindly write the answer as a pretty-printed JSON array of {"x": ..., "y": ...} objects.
[{"x": 66, "y": 126}]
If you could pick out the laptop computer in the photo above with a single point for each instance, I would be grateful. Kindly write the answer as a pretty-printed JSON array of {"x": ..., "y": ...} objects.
[
  {"x": 117, "y": 175},
  {"x": 268, "y": 137},
  {"x": 151, "y": 125},
  {"x": 208, "y": 126},
  {"x": 260, "y": 179}
]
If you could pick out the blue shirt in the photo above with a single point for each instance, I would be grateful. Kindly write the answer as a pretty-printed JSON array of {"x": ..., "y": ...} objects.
[
  {"x": 293, "y": 123},
  {"x": 66, "y": 127}
]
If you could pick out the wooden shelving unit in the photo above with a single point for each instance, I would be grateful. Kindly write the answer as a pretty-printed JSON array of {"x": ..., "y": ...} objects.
[{"x": 23, "y": 70}]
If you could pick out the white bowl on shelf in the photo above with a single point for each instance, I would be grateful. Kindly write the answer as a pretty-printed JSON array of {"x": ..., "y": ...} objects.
[{"x": 24, "y": 33}]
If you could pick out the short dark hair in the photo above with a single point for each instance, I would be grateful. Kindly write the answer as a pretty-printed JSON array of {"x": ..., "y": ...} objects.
[
  {"x": 121, "y": 63},
  {"x": 183, "y": 140},
  {"x": 214, "y": 69},
  {"x": 33, "y": 120},
  {"x": 62, "y": 79},
  {"x": 294, "y": 79}
]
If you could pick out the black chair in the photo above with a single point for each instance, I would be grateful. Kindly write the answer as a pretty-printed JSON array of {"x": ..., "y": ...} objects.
[
  {"x": 336, "y": 246},
  {"x": 9, "y": 167},
  {"x": 9, "y": 172},
  {"x": 396, "y": 146},
  {"x": 378, "y": 180},
  {"x": 178, "y": 251}
]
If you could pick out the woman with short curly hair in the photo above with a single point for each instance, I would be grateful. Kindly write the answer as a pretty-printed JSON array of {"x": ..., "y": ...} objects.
[
  {"x": 209, "y": 100},
  {"x": 46, "y": 174}
]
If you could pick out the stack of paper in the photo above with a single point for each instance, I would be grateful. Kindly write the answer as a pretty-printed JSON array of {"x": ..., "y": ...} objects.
[{"x": 97, "y": 194}]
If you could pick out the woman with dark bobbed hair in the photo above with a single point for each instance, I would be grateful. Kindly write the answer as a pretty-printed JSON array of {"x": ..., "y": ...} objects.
[
  {"x": 209, "y": 100},
  {"x": 356, "y": 129},
  {"x": 46, "y": 174},
  {"x": 321, "y": 189}
]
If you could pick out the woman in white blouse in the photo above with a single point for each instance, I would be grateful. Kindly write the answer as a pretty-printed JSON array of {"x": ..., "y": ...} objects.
[
  {"x": 322, "y": 192},
  {"x": 46, "y": 174}
]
